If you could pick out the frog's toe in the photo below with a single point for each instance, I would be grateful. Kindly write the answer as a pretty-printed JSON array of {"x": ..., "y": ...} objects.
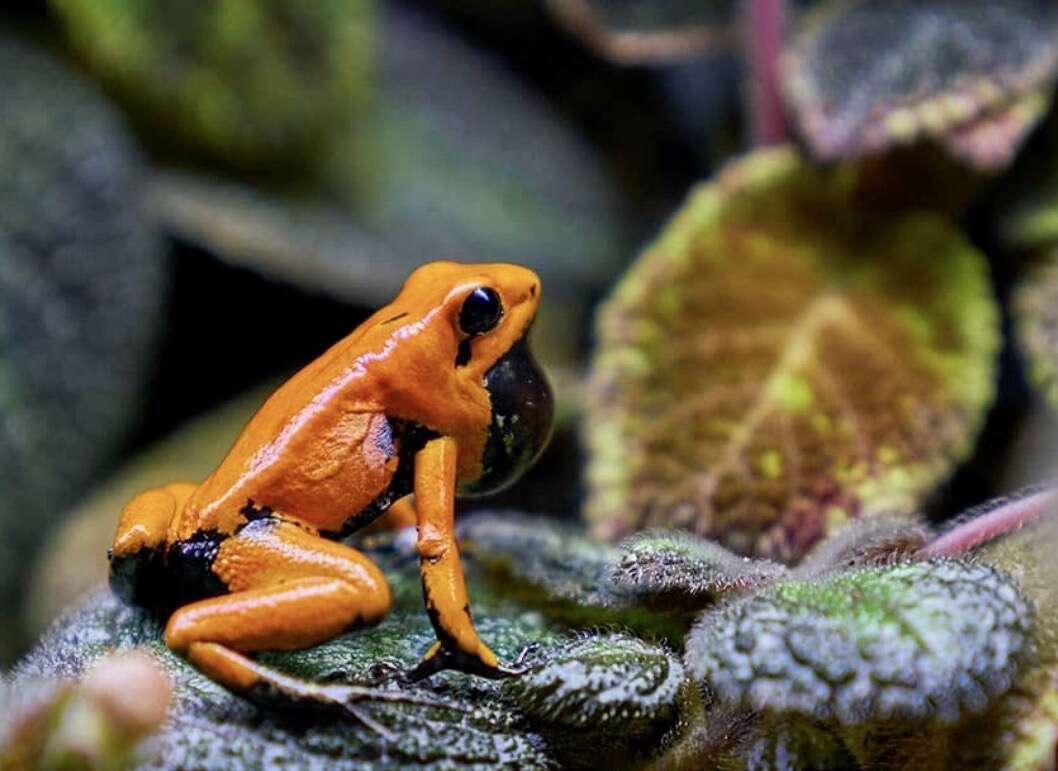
[
  {"x": 386, "y": 671},
  {"x": 460, "y": 661}
]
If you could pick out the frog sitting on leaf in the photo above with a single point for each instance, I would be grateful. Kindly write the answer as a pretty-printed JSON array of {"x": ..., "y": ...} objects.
[{"x": 435, "y": 394}]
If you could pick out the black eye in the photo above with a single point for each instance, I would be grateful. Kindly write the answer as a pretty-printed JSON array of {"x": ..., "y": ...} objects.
[{"x": 481, "y": 311}]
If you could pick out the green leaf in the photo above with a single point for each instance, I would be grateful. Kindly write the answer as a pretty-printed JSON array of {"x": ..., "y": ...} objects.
[
  {"x": 779, "y": 362},
  {"x": 1036, "y": 314},
  {"x": 557, "y": 568},
  {"x": 673, "y": 570},
  {"x": 243, "y": 83},
  {"x": 916, "y": 640},
  {"x": 632, "y": 693},
  {"x": 613, "y": 692},
  {"x": 865, "y": 75},
  {"x": 82, "y": 284}
]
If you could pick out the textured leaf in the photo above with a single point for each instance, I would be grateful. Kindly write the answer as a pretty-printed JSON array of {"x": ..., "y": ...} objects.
[
  {"x": 557, "y": 568},
  {"x": 209, "y": 727},
  {"x": 778, "y": 363},
  {"x": 1036, "y": 312},
  {"x": 612, "y": 692},
  {"x": 82, "y": 279},
  {"x": 915, "y": 640},
  {"x": 245, "y": 83},
  {"x": 672, "y": 570},
  {"x": 863, "y": 542},
  {"x": 865, "y": 75}
]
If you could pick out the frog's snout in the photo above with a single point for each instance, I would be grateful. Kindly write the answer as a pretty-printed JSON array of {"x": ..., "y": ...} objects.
[{"x": 523, "y": 412}]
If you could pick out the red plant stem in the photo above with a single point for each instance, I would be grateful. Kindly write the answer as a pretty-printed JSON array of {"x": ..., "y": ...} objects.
[
  {"x": 1005, "y": 519},
  {"x": 764, "y": 23}
]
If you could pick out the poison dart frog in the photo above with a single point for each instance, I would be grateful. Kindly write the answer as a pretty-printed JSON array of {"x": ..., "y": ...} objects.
[{"x": 433, "y": 396}]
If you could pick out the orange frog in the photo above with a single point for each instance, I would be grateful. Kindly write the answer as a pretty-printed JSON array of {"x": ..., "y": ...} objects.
[{"x": 436, "y": 394}]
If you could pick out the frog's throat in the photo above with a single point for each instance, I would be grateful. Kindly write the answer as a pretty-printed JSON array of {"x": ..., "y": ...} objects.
[{"x": 523, "y": 411}]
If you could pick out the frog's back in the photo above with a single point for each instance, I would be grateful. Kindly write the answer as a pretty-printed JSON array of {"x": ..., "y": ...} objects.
[{"x": 320, "y": 450}]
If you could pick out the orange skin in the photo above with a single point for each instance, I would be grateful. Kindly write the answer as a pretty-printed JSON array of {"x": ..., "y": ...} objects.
[{"x": 319, "y": 458}]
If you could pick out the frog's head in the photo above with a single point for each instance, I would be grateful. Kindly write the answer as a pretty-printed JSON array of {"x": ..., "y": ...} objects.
[{"x": 488, "y": 310}]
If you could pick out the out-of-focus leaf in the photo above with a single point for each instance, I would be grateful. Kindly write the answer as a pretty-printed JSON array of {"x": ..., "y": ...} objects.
[
  {"x": 74, "y": 558},
  {"x": 1036, "y": 312},
  {"x": 209, "y": 727},
  {"x": 438, "y": 182},
  {"x": 779, "y": 362},
  {"x": 423, "y": 176},
  {"x": 82, "y": 279},
  {"x": 251, "y": 84},
  {"x": 671, "y": 569},
  {"x": 96, "y": 724},
  {"x": 311, "y": 243},
  {"x": 864, "y": 75},
  {"x": 648, "y": 31},
  {"x": 557, "y": 568},
  {"x": 1020, "y": 733},
  {"x": 915, "y": 640},
  {"x": 612, "y": 692}
]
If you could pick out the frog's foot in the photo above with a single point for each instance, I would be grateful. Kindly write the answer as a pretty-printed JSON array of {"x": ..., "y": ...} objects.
[
  {"x": 265, "y": 685},
  {"x": 438, "y": 659}
]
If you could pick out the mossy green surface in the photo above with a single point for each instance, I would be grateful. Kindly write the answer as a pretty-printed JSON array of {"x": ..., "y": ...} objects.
[{"x": 779, "y": 362}]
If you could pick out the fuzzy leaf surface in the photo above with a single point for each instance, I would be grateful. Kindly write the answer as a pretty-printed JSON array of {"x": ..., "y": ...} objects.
[
  {"x": 82, "y": 278},
  {"x": 779, "y": 362},
  {"x": 211, "y": 727},
  {"x": 671, "y": 569},
  {"x": 915, "y": 640},
  {"x": 864, "y": 75}
]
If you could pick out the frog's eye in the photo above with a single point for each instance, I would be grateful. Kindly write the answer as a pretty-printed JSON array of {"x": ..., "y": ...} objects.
[{"x": 481, "y": 311}]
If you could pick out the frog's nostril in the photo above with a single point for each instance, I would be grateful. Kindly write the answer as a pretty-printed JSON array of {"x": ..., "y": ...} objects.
[{"x": 532, "y": 290}]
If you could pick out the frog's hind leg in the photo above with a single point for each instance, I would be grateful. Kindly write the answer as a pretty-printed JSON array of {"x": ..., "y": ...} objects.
[
  {"x": 141, "y": 536},
  {"x": 289, "y": 589}
]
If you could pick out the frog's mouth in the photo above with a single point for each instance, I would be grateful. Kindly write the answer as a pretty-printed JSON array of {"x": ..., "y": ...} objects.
[{"x": 523, "y": 411}]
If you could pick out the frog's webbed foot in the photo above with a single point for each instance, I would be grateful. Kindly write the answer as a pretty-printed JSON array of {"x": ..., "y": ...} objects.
[{"x": 438, "y": 659}]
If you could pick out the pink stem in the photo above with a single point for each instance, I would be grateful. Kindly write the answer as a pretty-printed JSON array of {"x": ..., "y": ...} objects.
[
  {"x": 1004, "y": 519},
  {"x": 765, "y": 23}
]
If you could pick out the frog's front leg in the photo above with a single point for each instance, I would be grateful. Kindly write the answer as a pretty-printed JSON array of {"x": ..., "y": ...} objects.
[{"x": 458, "y": 645}]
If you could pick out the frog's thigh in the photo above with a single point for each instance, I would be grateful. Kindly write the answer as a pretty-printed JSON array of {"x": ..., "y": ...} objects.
[
  {"x": 289, "y": 589},
  {"x": 145, "y": 519}
]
